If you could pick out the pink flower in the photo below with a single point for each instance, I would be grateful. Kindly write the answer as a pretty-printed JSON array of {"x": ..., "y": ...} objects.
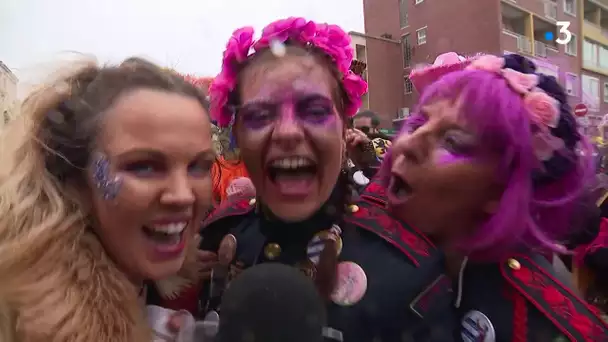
[
  {"x": 544, "y": 109},
  {"x": 545, "y": 144},
  {"x": 520, "y": 82},
  {"x": 281, "y": 31},
  {"x": 489, "y": 63},
  {"x": 219, "y": 91},
  {"x": 355, "y": 87}
]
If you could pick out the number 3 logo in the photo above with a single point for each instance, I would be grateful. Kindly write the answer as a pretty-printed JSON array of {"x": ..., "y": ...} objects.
[{"x": 566, "y": 35}]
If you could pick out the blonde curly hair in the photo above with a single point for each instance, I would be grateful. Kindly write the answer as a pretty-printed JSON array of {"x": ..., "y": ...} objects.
[{"x": 58, "y": 283}]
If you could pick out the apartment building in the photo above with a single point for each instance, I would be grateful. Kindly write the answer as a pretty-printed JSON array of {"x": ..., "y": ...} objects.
[
  {"x": 594, "y": 73},
  {"x": 8, "y": 93},
  {"x": 427, "y": 28}
]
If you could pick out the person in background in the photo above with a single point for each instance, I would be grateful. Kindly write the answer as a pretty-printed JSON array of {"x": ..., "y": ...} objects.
[
  {"x": 289, "y": 101},
  {"x": 105, "y": 178},
  {"x": 489, "y": 167},
  {"x": 227, "y": 167}
]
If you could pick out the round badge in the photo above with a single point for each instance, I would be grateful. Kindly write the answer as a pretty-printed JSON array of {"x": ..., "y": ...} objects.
[
  {"x": 477, "y": 327},
  {"x": 317, "y": 243},
  {"x": 360, "y": 178},
  {"x": 351, "y": 284},
  {"x": 227, "y": 250},
  {"x": 308, "y": 268}
]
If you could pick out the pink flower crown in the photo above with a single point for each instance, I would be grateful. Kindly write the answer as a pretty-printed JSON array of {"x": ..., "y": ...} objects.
[
  {"x": 444, "y": 64},
  {"x": 544, "y": 110},
  {"x": 331, "y": 39}
]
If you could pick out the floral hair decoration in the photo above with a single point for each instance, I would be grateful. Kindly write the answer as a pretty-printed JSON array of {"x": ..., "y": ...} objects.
[
  {"x": 544, "y": 110},
  {"x": 330, "y": 39},
  {"x": 444, "y": 64}
]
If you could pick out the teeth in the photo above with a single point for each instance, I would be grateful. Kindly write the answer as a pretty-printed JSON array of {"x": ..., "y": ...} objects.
[
  {"x": 171, "y": 228},
  {"x": 291, "y": 163}
]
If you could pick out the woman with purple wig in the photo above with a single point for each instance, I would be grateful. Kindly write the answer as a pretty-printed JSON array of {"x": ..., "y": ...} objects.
[{"x": 489, "y": 167}]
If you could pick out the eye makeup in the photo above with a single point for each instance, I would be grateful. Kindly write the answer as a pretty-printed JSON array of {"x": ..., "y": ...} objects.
[
  {"x": 312, "y": 109},
  {"x": 105, "y": 181}
]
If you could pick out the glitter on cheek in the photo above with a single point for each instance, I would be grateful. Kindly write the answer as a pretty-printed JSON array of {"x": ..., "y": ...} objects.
[
  {"x": 108, "y": 184},
  {"x": 446, "y": 157}
]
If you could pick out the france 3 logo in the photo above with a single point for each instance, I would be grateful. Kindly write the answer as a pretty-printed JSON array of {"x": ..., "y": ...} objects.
[{"x": 564, "y": 34}]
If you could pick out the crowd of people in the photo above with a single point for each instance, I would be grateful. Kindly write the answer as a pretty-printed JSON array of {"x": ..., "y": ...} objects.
[{"x": 128, "y": 186}]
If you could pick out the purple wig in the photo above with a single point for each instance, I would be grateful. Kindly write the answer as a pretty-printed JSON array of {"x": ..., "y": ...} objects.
[{"x": 530, "y": 215}]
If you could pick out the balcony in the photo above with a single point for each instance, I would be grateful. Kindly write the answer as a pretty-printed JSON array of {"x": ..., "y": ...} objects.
[
  {"x": 542, "y": 46},
  {"x": 595, "y": 25},
  {"x": 515, "y": 27}
]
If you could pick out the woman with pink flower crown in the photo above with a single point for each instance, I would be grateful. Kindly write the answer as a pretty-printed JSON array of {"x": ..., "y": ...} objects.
[
  {"x": 490, "y": 167},
  {"x": 288, "y": 97}
]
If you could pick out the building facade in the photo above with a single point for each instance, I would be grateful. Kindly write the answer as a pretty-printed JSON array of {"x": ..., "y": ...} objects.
[
  {"x": 8, "y": 93},
  {"x": 427, "y": 28}
]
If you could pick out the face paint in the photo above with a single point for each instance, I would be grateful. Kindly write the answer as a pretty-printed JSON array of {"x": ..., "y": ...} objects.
[
  {"x": 446, "y": 157},
  {"x": 108, "y": 184}
]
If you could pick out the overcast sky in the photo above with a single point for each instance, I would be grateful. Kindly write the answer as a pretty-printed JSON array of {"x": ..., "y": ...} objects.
[{"x": 188, "y": 35}]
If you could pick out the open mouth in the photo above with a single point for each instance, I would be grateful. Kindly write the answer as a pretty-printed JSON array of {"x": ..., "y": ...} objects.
[
  {"x": 293, "y": 175},
  {"x": 167, "y": 237},
  {"x": 399, "y": 189}
]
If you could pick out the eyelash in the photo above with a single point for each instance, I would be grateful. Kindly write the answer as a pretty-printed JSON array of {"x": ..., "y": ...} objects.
[{"x": 152, "y": 168}]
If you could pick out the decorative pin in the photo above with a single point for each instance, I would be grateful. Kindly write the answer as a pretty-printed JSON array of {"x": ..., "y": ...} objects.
[
  {"x": 360, "y": 178},
  {"x": 227, "y": 250},
  {"x": 102, "y": 177},
  {"x": 477, "y": 327},
  {"x": 272, "y": 251},
  {"x": 308, "y": 268},
  {"x": 351, "y": 284},
  {"x": 317, "y": 243}
]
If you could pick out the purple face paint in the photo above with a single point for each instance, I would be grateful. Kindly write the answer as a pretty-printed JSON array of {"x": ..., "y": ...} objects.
[
  {"x": 311, "y": 109},
  {"x": 108, "y": 184},
  {"x": 446, "y": 157}
]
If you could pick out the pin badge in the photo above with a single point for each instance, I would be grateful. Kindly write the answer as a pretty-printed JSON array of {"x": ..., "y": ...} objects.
[
  {"x": 477, "y": 327},
  {"x": 317, "y": 243},
  {"x": 351, "y": 284},
  {"x": 308, "y": 268},
  {"x": 227, "y": 250}
]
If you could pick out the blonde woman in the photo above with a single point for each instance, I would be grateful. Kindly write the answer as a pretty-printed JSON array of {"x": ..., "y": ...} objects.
[{"x": 103, "y": 181}]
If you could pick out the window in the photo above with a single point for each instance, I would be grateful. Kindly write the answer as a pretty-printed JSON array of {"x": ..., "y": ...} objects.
[
  {"x": 571, "y": 47},
  {"x": 403, "y": 18},
  {"x": 421, "y": 36},
  {"x": 570, "y": 7},
  {"x": 407, "y": 51},
  {"x": 591, "y": 92},
  {"x": 409, "y": 87},
  {"x": 419, "y": 1},
  {"x": 606, "y": 92},
  {"x": 590, "y": 53},
  {"x": 572, "y": 84},
  {"x": 603, "y": 57}
]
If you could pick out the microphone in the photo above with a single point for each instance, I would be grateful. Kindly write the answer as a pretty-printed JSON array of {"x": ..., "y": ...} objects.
[{"x": 271, "y": 302}]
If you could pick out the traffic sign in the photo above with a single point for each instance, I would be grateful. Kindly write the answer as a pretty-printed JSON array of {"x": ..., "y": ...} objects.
[{"x": 581, "y": 109}]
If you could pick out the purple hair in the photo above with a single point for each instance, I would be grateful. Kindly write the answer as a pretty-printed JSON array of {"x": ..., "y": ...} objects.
[{"x": 529, "y": 215}]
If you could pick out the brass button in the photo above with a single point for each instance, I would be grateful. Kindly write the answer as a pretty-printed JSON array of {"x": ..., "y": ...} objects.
[
  {"x": 353, "y": 208},
  {"x": 514, "y": 264},
  {"x": 252, "y": 201},
  {"x": 272, "y": 251}
]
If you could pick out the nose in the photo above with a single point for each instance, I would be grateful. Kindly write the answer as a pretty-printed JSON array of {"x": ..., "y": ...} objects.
[
  {"x": 179, "y": 191},
  {"x": 409, "y": 148},
  {"x": 288, "y": 132}
]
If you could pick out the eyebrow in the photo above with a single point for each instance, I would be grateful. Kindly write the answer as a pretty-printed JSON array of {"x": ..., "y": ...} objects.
[{"x": 155, "y": 154}]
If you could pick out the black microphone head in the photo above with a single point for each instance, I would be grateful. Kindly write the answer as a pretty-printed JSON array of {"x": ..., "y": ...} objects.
[{"x": 271, "y": 303}]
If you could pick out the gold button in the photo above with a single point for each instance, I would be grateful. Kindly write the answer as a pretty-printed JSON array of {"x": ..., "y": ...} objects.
[
  {"x": 272, "y": 251},
  {"x": 353, "y": 208},
  {"x": 514, "y": 264},
  {"x": 252, "y": 201}
]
